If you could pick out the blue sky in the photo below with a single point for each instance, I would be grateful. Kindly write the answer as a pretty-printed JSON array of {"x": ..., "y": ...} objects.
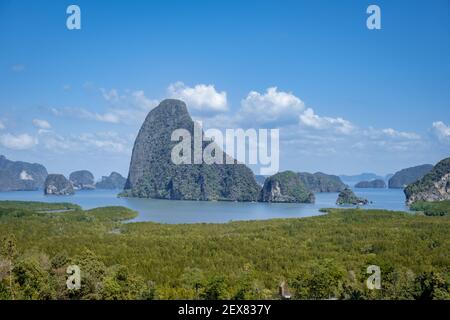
[{"x": 346, "y": 99}]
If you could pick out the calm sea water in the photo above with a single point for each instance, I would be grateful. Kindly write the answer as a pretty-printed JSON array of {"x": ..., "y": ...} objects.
[{"x": 166, "y": 211}]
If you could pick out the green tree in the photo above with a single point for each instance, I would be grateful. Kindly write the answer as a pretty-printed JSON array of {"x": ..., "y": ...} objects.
[
  {"x": 9, "y": 252},
  {"x": 215, "y": 289}
]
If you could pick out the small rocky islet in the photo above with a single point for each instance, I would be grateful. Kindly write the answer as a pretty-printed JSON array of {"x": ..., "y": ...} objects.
[
  {"x": 348, "y": 197},
  {"x": 58, "y": 185},
  {"x": 82, "y": 180}
]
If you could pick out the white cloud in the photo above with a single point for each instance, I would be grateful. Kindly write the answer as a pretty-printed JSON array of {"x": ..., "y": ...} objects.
[
  {"x": 55, "y": 142},
  {"x": 441, "y": 130},
  {"x": 41, "y": 124},
  {"x": 389, "y": 134},
  {"x": 400, "y": 134},
  {"x": 111, "y": 95},
  {"x": 2, "y": 125},
  {"x": 310, "y": 119},
  {"x": 201, "y": 97},
  {"x": 139, "y": 100},
  {"x": 109, "y": 117},
  {"x": 18, "y": 142},
  {"x": 271, "y": 106},
  {"x": 106, "y": 141},
  {"x": 128, "y": 108}
]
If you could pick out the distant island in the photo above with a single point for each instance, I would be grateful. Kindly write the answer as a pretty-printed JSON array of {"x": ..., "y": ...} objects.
[
  {"x": 377, "y": 183},
  {"x": 348, "y": 197},
  {"x": 353, "y": 179},
  {"x": 82, "y": 180},
  {"x": 285, "y": 187},
  {"x": 58, "y": 185},
  {"x": 21, "y": 176},
  {"x": 407, "y": 176},
  {"x": 113, "y": 181},
  {"x": 321, "y": 182}
]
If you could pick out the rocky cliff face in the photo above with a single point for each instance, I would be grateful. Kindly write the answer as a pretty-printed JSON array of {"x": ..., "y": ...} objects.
[
  {"x": 407, "y": 176},
  {"x": 434, "y": 186},
  {"x": 347, "y": 196},
  {"x": 82, "y": 180},
  {"x": 152, "y": 173},
  {"x": 113, "y": 181},
  {"x": 285, "y": 187},
  {"x": 321, "y": 182},
  {"x": 57, "y": 184},
  {"x": 21, "y": 176},
  {"x": 378, "y": 183}
]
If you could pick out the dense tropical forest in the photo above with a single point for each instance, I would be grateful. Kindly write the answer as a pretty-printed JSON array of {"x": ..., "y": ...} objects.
[{"x": 322, "y": 257}]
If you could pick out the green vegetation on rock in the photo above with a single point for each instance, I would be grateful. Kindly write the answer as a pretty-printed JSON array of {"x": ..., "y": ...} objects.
[
  {"x": 285, "y": 186},
  {"x": 152, "y": 173},
  {"x": 378, "y": 183},
  {"x": 348, "y": 197},
  {"x": 434, "y": 186},
  {"x": 321, "y": 182},
  {"x": 404, "y": 177}
]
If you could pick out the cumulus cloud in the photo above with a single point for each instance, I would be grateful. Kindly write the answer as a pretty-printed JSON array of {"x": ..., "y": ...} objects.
[
  {"x": 18, "y": 142},
  {"x": 441, "y": 130},
  {"x": 201, "y": 96},
  {"x": 273, "y": 105},
  {"x": 105, "y": 142},
  {"x": 310, "y": 119},
  {"x": 41, "y": 124}
]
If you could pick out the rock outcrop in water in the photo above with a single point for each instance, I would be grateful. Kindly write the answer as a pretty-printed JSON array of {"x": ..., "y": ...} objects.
[
  {"x": 82, "y": 180},
  {"x": 285, "y": 187},
  {"x": 152, "y": 173},
  {"x": 58, "y": 185},
  {"x": 348, "y": 197},
  {"x": 378, "y": 183},
  {"x": 321, "y": 182},
  {"x": 407, "y": 176},
  {"x": 434, "y": 186},
  {"x": 113, "y": 181},
  {"x": 21, "y": 176}
]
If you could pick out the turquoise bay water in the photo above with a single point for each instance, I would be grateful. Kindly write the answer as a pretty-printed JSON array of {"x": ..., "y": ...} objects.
[{"x": 166, "y": 211}]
